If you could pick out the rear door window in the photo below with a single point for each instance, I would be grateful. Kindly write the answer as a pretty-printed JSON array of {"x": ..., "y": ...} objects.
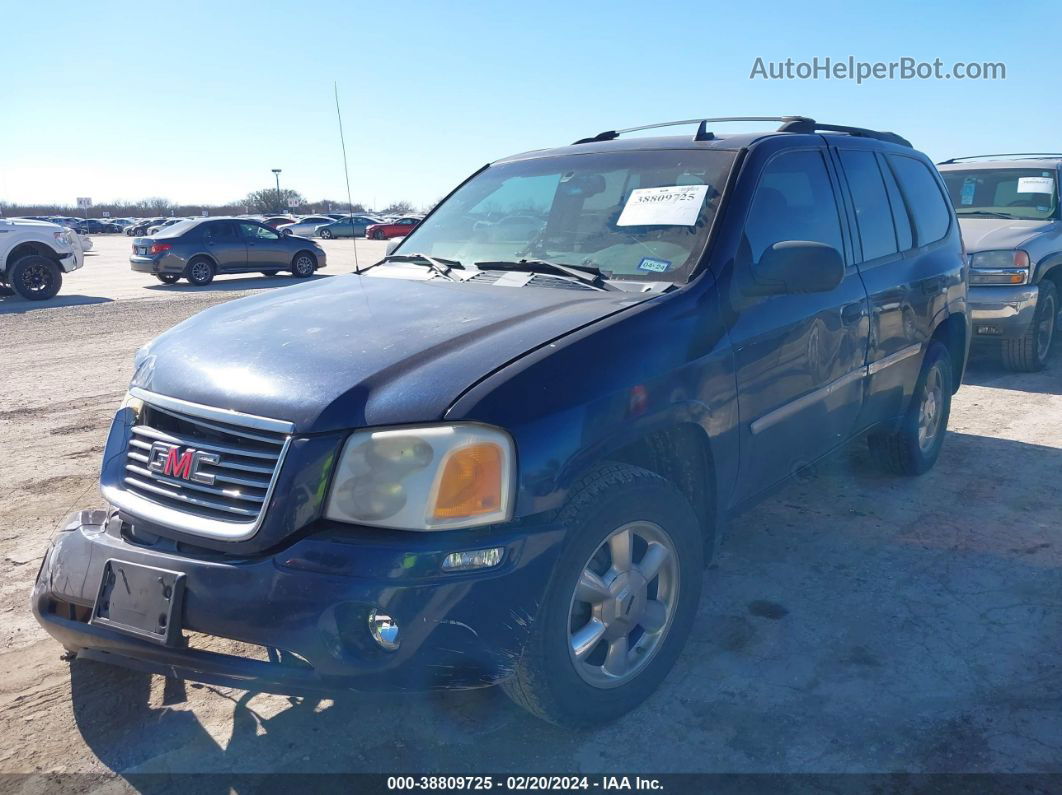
[
  {"x": 921, "y": 192},
  {"x": 221, "y": 232},
  {"x": 873, "y": 213},
  {"x": 900, "y": 214}
]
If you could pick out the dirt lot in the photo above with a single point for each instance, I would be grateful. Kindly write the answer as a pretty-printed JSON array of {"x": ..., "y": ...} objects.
[{"x": 855, "y": 622}]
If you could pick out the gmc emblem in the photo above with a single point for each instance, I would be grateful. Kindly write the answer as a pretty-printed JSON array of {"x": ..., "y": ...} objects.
[{"x": 181, "y": 463}]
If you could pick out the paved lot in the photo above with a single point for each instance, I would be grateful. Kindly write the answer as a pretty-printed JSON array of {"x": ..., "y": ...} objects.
[
  {"x": 854, "y": 622},
  {"x": 106, "y": 276}
]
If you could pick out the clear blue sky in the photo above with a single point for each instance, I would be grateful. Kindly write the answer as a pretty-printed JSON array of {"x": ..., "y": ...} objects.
[{"x": 197, "y": 101}]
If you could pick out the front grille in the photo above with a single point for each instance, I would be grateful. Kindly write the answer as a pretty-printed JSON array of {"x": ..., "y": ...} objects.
[{"x": 230, "y": 478}]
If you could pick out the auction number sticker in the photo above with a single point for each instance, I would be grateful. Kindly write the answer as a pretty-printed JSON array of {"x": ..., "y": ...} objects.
[
  {"x": 672, "y": 205},
  {"x": 1036, "y": 185}
]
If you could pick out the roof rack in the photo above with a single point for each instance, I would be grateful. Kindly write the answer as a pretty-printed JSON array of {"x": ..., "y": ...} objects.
[
  {"x": 1015, "y": 155},
  {"x": 793, "y": 124}
]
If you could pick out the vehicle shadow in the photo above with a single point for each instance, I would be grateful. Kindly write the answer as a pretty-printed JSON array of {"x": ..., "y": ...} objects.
[
  {"x": 985, "y": 368},
  {"x": 15, "y": 304},
  {"x": 855, "y": 621},
  {"x": 236, "y": 283}
]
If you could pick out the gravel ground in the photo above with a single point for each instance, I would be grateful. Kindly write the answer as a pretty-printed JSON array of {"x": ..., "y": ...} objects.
[{"x": 855, "y": 621}]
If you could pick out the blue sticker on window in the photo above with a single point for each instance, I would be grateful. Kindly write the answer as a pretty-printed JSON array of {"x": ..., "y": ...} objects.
[
  {"x": 969, "y": 185},
  {"x": 654, "y": 265}
]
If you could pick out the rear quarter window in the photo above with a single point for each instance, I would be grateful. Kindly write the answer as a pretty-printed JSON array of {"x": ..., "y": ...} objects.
[{"x": 929, "y": 210}]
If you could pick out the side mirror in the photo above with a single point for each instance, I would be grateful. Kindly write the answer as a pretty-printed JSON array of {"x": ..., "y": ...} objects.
[
  {"x": 798, "y": 266},
  {"x": 392, "y": 244}
]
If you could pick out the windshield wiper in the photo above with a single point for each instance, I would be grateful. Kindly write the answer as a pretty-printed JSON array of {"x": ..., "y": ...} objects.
[
  {"x": 989, "y": 213},
  {"x": 438, "y": 264},
  {"x": 585, "y": 274}
]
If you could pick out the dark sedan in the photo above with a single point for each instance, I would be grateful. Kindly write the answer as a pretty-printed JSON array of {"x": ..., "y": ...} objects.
[
  {"x": 198, "y": 250},
  {"x": 141, "y": 227}
]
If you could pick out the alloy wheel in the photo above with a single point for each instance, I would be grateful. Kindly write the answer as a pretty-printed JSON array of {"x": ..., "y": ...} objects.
[
  {"x": 200, "y": 271},
  {"x": 930, "y": 412},
  {"x": 1045, "y": 332},
  {"x": 623, "y": 605},
  {"x": 36, "y": 278}
]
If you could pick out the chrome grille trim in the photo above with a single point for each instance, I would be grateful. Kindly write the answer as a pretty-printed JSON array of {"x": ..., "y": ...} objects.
[{"x": 231, "y": 508}]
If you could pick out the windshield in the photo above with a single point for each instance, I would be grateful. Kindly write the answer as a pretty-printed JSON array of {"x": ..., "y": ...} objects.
[
  {"x": 634, "y": 215},
  {"x": 1026, "y": 193}
]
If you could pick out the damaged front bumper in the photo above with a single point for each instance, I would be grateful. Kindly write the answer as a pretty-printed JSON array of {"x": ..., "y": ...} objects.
[{"x": 307, "y": 608}]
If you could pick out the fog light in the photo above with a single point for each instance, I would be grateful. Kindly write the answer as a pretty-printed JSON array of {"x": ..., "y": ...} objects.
[
  {"x": 476, "y": 559},
  {"x": 384, "y": 630}
]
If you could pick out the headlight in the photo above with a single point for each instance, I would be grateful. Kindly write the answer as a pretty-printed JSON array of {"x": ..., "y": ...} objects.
[
  {"x": 434, "y": 477},
  {"x": 999, "y": 267},
  {"x": 63, "y": 238}
]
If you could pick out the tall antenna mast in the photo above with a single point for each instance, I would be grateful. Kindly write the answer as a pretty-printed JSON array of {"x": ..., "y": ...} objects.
[{"x": 346, "y": 173}]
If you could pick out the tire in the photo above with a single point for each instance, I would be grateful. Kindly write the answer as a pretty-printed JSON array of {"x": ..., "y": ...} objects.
[
  {"x": 914, "y": 447},
  {"x": 378, "y": 235},
  {"x": 269, "y": 273},
  {"x": 553, "y": 681},
  {"x": 168, "y": 278},
  {"x": 200, "y": 272},
  {"x": 326, "y": 234},
  {"x": 1028, "y": 353},
  {"x": 35, "y": 278},
  {"x": 303, "y": 265}
]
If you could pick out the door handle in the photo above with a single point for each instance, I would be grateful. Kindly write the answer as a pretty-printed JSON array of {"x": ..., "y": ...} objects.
[{"x": 852, "y": 313}]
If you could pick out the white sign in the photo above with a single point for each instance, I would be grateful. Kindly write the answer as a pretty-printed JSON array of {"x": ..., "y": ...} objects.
[
  {"x": 205, "y": 213},
  {"x": 84, "y": 202},
  {"x": 674, "y": 205},
  {"x": 1036, "y": 185},
  {"x": 106, "y": 213}
]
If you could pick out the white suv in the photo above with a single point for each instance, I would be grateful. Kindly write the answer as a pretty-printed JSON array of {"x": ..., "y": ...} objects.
[{"x": 34, "y": 255}]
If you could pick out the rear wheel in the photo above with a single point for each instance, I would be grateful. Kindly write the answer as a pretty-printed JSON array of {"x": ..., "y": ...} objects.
[
  {"x": 200, "y": 272},
  {"x": 304, "y": 264},
  {"x": 914, "y": 447},
  {"x": 620, "y": 603},
  {"x": 168, "y": 278},
  {"x": 35, "y": 278},
  {"x": 1028, "y": 353}
]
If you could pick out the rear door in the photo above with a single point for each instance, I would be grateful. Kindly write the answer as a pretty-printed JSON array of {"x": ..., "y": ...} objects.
[
  {"x": 907, "y": 287},
  {"x": 225, "y": 246},
  {"x": 800, "y": 358},
  {"x": 265, "y": 248}
]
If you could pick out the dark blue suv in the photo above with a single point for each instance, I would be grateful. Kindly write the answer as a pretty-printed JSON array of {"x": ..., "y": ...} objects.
[{"x": 512, "y": 445}]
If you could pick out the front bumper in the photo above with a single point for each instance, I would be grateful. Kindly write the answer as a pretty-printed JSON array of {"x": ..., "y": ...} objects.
[
  {"x": 308, "y": 606},
  {"x": 998, "y": 312}
]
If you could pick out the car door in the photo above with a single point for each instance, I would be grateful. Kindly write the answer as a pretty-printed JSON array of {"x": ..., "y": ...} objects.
[
  {"x": 799, "y": 358},
  {"x": 265, "y": 248},
  {"x": 225, "y": 246}
]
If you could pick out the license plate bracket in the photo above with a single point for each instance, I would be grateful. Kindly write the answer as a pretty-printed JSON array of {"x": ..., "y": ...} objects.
[{"x": 138, "y": 600}]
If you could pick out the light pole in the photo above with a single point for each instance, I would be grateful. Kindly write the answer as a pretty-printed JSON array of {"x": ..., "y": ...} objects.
[{"x": 276, "y": 173}]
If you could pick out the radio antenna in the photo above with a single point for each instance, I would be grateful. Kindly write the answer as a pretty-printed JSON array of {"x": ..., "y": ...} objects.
[{"x": 346, "y": 173}]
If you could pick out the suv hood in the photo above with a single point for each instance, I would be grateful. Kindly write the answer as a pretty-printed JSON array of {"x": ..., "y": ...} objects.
[
  {"x": 992, "y": 234},
  {"x": 349, "y": 352}
]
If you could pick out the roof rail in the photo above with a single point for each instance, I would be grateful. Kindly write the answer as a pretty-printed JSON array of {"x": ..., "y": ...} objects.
[
  {"x": 703, "y": 134},
  {"x": 1015, "y": 155},
  {"x": 794, "y": 124},
  {"x": 812, "y": 126}
]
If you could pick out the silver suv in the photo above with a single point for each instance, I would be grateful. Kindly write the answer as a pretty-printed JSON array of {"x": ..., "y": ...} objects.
[{"x": 1008, "y": 209}]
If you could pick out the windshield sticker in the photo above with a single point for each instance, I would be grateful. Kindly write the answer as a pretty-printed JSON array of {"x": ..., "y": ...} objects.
[
  {"x": 1036, "y": 185},
  {"x": 654, "y": 265},
  {"x": 675, "y": 205},
  {"x": 969, "y": 185}
]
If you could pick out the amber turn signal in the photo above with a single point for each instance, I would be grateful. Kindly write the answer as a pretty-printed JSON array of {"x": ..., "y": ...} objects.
[{"x": 471, "y": 482}]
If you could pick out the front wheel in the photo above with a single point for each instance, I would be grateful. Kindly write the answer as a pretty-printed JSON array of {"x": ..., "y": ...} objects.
[
  {"x": 303, "y": 265},
  {"x": 326, "y": 234},
  {"x": 1028, "y": 353},
  {"x": 35, "y": 278},
  {"x": 913, "y": 448},
  {"x": 378, "y": 235},
  {"x": 620, "y": 603}
]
